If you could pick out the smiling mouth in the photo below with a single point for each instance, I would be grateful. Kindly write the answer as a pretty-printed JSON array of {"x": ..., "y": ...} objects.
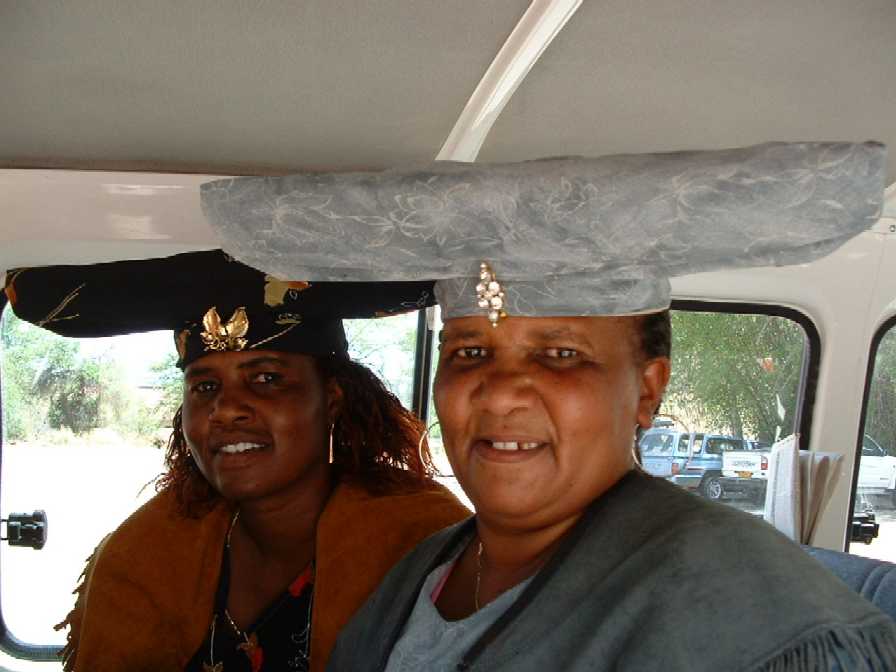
[
  {"x": 514, "y": 445},
  {"x": 240, "y": 448}
]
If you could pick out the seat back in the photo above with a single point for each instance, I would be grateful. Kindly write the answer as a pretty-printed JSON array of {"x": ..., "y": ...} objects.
[{"x": 875, "y": 580}]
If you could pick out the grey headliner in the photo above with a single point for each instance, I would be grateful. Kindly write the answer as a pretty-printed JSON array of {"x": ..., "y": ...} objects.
[
  {"x": 219, "y": 85},
  {"x": 246, "y": 87}
]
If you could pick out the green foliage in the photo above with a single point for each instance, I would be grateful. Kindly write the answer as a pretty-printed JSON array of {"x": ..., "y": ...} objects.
[
  {"x": 170, "y": 380},
  {"x": 387, "y": 347},
  {"x": 880, "y": 421},
  {"x": 49, "y": 383},
  {"x": 730, "y": 371},
  {"x": 24, "y": 413}
]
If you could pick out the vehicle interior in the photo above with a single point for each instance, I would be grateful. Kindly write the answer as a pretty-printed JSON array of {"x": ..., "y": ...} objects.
[{"x": 114, "y": 114}]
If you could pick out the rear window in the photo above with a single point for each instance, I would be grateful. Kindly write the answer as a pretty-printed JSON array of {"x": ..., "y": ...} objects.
[{"x": 717, "y": 446}]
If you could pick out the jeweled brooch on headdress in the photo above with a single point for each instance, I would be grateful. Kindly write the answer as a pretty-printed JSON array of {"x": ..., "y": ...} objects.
[
  {"x": 490, "y": 294},
  {"x": 230, "y": 336}
]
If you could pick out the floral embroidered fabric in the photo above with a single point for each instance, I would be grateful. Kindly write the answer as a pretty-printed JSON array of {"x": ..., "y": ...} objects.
[{"x": 564, "y": 236}]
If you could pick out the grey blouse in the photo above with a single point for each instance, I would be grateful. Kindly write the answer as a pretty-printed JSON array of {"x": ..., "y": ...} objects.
[{"x": 429, "y": 642}]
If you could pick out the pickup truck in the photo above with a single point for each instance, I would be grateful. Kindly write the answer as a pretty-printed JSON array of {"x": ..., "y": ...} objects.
[
  {"x": 693, "y": 460},
  {"x": 746, "y": 470}
]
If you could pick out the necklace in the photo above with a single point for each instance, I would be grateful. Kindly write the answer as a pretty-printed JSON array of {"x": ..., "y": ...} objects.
[
  {"x": 249, "y": 644},
  {"x": 478, "y": 575}
]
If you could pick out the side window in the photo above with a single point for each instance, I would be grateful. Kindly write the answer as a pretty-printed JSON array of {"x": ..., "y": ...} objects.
[
  {"x": 656, "y": 443},
  {"x": 737, "y": 380},
  {"x": 683, "y": 442},
  {"x": 436, "y": 447},
  {"x": 386, "y": 346},
  {"x": 85, "y": 426},
  {"x": 718, "y": 446},
  {"x": 713, "y": 447},
  {"x": 874, "y": 509},
  {"x": 697, "y": 443}
]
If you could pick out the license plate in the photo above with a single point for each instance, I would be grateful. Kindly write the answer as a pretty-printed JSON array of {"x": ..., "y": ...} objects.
[{"x": 745, "y": 474}]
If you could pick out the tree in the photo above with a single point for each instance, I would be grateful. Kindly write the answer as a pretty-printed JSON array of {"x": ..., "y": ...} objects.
[
  {"x": 736, "y": 373},
  {"x": 49, "y": 382},
  {"x": 387, "y": 347},
  {"x": 880, "y": 419},
  {"x": 171, "y": 381}
]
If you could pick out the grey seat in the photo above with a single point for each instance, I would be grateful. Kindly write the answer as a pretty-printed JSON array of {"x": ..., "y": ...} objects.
[{"x": 875, "y": 580}]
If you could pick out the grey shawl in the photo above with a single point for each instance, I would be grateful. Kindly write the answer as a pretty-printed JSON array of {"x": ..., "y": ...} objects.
[{"x": 651, "y": 578}]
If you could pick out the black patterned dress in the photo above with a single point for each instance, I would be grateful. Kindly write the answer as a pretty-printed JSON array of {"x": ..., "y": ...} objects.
[{"x": 279, "y": 640}]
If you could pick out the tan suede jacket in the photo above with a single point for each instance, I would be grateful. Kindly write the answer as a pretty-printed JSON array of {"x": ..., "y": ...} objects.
[{"x": 147, "y": 596}]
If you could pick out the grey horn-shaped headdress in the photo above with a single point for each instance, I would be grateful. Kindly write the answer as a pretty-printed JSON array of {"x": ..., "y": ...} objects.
[{"x": 569, "y": 236}]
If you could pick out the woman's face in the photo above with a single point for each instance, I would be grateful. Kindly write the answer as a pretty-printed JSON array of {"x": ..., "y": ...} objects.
[
  {"x": 539, "y": 415},
  {"x": 257, "y": 422}
]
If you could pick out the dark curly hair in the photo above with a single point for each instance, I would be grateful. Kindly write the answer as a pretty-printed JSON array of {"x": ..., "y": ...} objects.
[
  {"x": 376, "y": 441},
  {"x": 655, "y": 332}
]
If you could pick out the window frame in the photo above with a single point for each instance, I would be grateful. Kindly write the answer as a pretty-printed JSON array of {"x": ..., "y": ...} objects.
[
  {"x": 808, "y": 384},
  {"x": 883, "y": 329},
  {"x": 8, "y": 642}
]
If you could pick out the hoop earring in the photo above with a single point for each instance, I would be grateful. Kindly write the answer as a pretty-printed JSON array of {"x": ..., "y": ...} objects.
[
  {"x": 332, "y": 425},
  {"x": 423, "y": 437},
  {"x": 636, "y": 450}
]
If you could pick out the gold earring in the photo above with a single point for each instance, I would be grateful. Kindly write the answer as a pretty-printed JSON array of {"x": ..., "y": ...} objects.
[
  {"x": 423, "y": 438},
  {"x": 636, "y": 450},
  {"x": 332, "y": 425}
]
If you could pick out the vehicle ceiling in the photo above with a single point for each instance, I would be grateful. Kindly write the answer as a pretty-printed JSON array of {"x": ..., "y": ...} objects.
[
  {"x": 246, "y": 87},
  {"x": 338, "y": 84}
]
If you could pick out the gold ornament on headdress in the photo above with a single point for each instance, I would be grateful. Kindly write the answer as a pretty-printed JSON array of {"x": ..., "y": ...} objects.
[
  {"x": 490, "y": 294},
  {"x": 180, "y": 342},
  {"x": 228, "y": 336},
  {"x": 275, "y": 290}
]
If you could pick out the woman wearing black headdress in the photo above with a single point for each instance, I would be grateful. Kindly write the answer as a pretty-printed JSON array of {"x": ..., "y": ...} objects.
[{"x": 294, "y": 480}]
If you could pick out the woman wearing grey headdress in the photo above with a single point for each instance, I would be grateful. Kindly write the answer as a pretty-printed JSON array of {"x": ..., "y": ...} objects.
[{"x": 575, "y": 559}]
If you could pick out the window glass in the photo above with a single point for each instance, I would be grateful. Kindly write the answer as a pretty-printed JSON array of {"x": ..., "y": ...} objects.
[
  {"x": 735, "y": 382},
  {"x": 436, "y": 447},
  {"x": 717, "y": 445},
  {"x": 875, "y": 500},
  {"x": 387, "y": 347},
  {"x": 85, "y": 425},
  {"x": 656, "y": 443}
]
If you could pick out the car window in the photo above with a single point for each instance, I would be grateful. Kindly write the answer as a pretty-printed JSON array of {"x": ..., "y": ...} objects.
[
  {"x": 85, "y": 425},
  {"x": 874, "y": 508},
  {"x": 871, "y": 448},
  {"x": 656, "y": 443},
  {"x": 697, "y": 443},
  {"x": 717, "y": 445},
  {"x": 738, "y": 384}
]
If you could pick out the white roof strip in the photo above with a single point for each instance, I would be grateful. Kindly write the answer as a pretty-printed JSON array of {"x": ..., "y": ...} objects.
[{"x": 537, "y": 28}]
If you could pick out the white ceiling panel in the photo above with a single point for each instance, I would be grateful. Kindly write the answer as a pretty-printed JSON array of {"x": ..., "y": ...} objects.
[
  {"x": 218, "y": 86},
  {"x": 638, "y": 75}
]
